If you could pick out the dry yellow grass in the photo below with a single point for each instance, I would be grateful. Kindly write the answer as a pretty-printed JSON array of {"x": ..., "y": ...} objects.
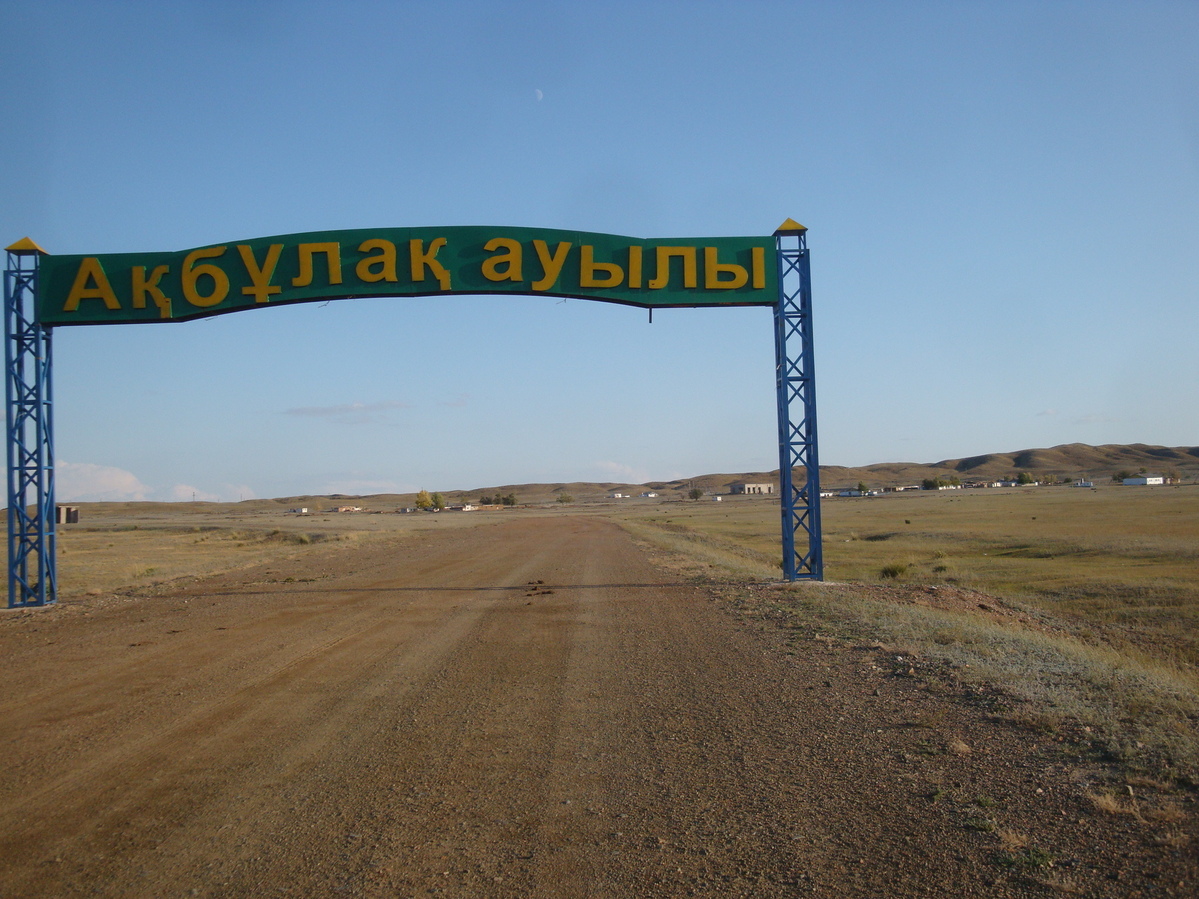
[
  {"x": 1123, "y": 558},
  {"x": 121, "y": 547},
  {"x": 1108, "y": 581}
]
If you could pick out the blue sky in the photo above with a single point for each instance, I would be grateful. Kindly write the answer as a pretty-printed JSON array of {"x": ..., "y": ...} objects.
[{"x": 1003, "y": 204}]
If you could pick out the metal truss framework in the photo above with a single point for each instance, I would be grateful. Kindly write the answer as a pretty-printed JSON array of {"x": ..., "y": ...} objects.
[
  {"x": 32, "y": 579},
  {"x": 796, "y": 384},
  {"x": 32, "y": 575}
]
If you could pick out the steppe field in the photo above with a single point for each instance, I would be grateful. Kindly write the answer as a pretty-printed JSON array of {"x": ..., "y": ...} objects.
[{"x": 995, "y": 693}]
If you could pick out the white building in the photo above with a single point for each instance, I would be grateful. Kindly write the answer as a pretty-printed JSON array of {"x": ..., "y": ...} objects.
[
  {"x": 751, "y": 488},
  {"x": 1146, "y": 480}
]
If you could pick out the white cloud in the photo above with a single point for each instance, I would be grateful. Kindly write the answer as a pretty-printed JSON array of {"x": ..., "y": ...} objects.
[
  {"x": 625, "y": 474},
  {"x": 185, "y": 493},
  {"x": 238, "y": 491},
  {"x": 84, "y": 482},
  {"x": 351, "y": 413},
  {"x": 363, "y": 487}
]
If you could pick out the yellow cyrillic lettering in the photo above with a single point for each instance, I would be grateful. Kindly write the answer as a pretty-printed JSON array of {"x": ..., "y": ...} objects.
[
  {"x": 690, "y": 277},
  {"x": 191, "y": 274},
  {"x": 260, "y": 277},
  {"x": 332, "y": 251},
  {"x": 551, "y": 265},
  {"x": 713, "y": 270},
  {"x": 142, "y": 286},
  {"x": 385, "y": 260},
  {"x": 758, "y": 264},
  {"x": 420, "y": 259},
  {"x": 588, "y": 267},
  {"x": 91, "y": 284},
  {"x": 635, "y": 266},
  {"x": 512, "y": 260}
]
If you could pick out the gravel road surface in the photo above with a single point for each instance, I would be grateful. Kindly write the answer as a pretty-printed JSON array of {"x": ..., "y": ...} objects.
[{"x": 530, "y": 708}]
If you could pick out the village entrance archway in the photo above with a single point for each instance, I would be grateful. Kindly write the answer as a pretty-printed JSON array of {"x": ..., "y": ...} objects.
[{"x": 43, "y": 292}]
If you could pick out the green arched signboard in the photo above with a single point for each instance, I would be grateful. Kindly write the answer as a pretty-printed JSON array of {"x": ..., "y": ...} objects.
[
  {"x": 43, "y": 292},
  {"x": 405, "y": 262}
]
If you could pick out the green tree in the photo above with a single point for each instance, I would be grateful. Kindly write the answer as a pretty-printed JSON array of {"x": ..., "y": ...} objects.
[
  {"x": 861, "y": 487},
  {"x": 438, "y": 501},
  {"x": 1025, "y": 478},
  {"x": 565, "y": 498},
  {"x": 424, "y": 501},
  {"x": 509, "y": 500},
  {"x": 695, "y": 493}
]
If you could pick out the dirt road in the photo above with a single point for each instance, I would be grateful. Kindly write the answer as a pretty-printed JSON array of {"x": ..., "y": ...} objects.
[{"x": 530, "y": 708}]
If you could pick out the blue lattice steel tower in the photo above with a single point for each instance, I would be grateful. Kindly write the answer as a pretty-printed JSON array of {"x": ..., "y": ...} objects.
[
  {"x": 32, "y": 579},
  {"x": 795, "y": 380}
]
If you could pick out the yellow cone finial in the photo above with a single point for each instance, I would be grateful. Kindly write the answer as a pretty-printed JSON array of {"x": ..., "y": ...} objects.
[
  {"x": 26, "y": 247},
  {"x": 791, "y": 226}
]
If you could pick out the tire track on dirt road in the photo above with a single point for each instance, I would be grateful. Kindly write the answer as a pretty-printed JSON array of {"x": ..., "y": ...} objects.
[{"x": 525, "y": 709}]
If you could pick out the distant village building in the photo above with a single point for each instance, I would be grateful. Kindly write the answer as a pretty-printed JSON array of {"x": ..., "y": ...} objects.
[
  {"x": 1082, "y": 483},
  {"x": 649, "y": 495},
  {"x": 1145, "y": 480},
  {"x": 348, "y": 509},
  {"x": 746, "y": 489}
]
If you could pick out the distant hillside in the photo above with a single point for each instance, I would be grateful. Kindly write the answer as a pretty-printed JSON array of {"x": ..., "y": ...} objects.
[{"x": 1074, "y": 460}]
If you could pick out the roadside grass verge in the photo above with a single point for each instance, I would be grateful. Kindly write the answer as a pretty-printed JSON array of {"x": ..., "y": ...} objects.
[
  {"x": 124, "y": 547},
  {"x": 1122, "y": 562},
  {"x": 98, "y": 560},
  {"x": 706, "y": 555},
  {"x": 1143, "y": 710},
  {"x": 1084, "y": 672}
]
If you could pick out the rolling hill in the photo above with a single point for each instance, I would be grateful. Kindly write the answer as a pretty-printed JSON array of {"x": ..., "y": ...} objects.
[{"x": 1073, "y": 460}]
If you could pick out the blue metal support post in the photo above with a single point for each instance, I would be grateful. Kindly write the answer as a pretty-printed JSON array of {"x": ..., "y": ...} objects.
[
  {"x": 32, "y": 579},
  {"x": 795, "y": 380}
]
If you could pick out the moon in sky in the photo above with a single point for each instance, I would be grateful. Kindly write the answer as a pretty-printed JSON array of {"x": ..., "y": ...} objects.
[{"x": 539, "y": 95}]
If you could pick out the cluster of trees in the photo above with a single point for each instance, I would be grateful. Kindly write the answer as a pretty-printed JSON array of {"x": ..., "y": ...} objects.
[
  {"x": 426, "y": 501},
  {"x": 497, "y": 500},
  {"x": 938, "y": 483}
]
